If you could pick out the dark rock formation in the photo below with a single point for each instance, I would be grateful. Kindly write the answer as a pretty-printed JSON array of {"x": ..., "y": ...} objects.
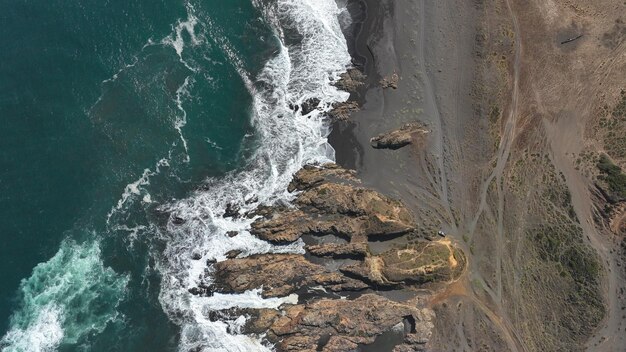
[
  {"x": 351, "y": 80},
  {"x": 232, "y": 210},
  {"x": 342, "y": 111},
  {"x": 309, "y": 105},
  {"x": 397, "y": 139}
]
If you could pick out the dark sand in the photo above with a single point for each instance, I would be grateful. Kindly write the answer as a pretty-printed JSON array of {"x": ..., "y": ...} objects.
[{"x": 431, "y": 46}]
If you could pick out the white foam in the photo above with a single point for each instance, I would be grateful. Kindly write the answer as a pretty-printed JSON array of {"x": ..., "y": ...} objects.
[
  {"x": 137, "y": 188},
  {"x": 44, "y": 335},
  {"x": 57, "y": 301},
  {"x": 248, "y": 299},
  {"x": 288, "y": 141},
  {"x": 176, "y": 39},
  {"x": 181, "y": 120}
]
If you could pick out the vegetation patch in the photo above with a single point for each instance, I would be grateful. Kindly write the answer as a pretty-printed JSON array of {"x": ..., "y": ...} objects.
[
  {"x": 613, "y": 129},
  {"x": 613, "y": 176}
]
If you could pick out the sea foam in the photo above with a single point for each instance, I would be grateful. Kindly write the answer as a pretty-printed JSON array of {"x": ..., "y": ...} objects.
[{"x": 66, "y": 298}]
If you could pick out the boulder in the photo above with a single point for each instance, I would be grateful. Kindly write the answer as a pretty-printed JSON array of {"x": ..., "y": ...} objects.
[
  {"x": 309, "y": 105},
  {"x": 397, "y": 139},
  {"x": 232, "y": 210},
  {"x": 390, "y": 81}
]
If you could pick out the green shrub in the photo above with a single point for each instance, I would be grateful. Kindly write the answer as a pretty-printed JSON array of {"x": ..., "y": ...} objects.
[{"x": 613, "y": 176}]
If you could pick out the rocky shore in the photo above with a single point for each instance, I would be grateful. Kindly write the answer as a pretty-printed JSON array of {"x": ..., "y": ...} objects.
[
  {"x": 345, "y": 287},
  {"x": 370, "y": 269}
]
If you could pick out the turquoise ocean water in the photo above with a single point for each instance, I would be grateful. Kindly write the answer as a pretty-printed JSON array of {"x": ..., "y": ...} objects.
[{"x": 127, "y": 128}]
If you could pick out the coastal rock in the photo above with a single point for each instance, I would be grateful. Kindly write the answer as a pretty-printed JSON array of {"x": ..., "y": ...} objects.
[
  {"x": 306, "y": 107},
  {"x": 390, "y": 81},
  {"x": 309, "y": 105},
  {"x": 233, "y": 254},
  {"x": 279, "y": 275},
  {"x": 417, "y": 264},
  {"x": 342, "y": 111},
  {"x": 326, "y": 208},
  {"x": 398, "y": 138},
  {"x": 351, "y": 80},
  {"x": 311, "y": 176},
  {"x": 343, "y": 325},
  {"x": 288, "y": 226},
  {"x": 334, "y": 198},
  {"x": 232, "y": 210},
  {"x": 339, "y": 250},
  {"x": 261, "y": 320}
]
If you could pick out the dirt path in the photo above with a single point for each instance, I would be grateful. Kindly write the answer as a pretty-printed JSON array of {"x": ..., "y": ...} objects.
[{"x": 502, "y": 156}]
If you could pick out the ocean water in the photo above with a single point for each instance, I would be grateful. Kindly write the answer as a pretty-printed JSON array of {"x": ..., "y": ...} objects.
[{"x": 119, "y": 117}]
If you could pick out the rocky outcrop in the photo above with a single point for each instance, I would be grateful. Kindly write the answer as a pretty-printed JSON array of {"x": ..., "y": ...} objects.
[
  {"x": 344, "y": 325},
  {"x": 342, "y": 111},
  {"x": 355, "y": 250},
  {"x": 351, "y": 80},
  {"x": 333, "y": 209},
  {"x": 348, "y": 200},
  {"x": 417, "y": 264},
  {"x": 331, "y": 202},
  {"x": 311, "y": 176},
  {"x": 390, "y": 81},
  {"x": 306, "y": 107},
  {"x": 397, "y": 139},
  {"x": 279, "y": 275}
]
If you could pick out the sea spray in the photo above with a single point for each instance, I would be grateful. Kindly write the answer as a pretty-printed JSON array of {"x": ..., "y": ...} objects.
[
  {"x": 66, "y": 298},
  {"x": 313, "y": 52}
]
